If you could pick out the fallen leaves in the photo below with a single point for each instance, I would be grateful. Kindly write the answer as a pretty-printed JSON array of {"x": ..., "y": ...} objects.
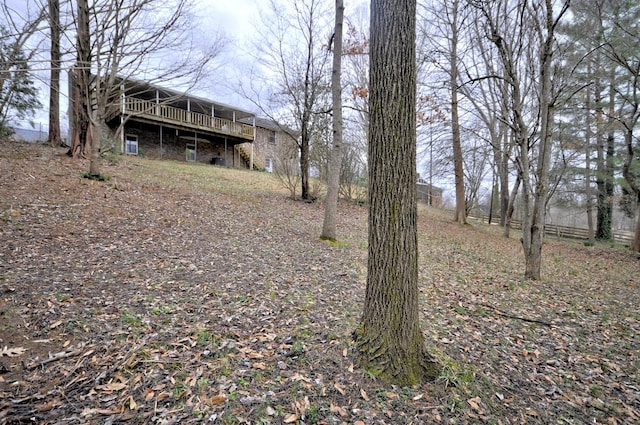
[
  {"x": 112, "y": 386},
  {"x": 339, "y": 410},
  {"x": 175, "y": 299},
  {"x": 291, "y": 419},
  {"x": 12, "y": 351}
]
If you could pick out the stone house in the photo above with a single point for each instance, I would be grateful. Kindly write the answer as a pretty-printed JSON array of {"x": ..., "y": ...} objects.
[{"x": 161, "y": 123}]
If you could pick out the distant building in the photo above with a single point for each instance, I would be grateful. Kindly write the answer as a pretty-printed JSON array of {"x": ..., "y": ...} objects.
[{"x": 431, "y": 195}]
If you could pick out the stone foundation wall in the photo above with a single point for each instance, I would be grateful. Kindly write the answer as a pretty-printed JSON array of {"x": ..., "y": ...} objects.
[{"x": 174, "y": 146}]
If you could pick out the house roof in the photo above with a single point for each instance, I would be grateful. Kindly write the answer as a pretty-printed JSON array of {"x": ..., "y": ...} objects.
[
  {"x": 424, "y": 183},
  {"x": 269, "y": 124}
]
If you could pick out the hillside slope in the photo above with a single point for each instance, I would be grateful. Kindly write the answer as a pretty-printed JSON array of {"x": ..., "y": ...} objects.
[{"x": 177, "y": 292}]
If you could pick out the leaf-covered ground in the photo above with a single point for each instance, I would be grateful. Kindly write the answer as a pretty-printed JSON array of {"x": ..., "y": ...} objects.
[{"x": 187, "y": 293}]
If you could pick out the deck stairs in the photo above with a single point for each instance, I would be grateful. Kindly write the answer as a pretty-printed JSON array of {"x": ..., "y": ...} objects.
[{"x": 244, "y": 150}]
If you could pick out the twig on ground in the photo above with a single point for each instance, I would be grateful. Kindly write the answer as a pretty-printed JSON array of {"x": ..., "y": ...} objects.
[
  {"x": 53, "y": 358},
  {"x": 511, "y": 316}
]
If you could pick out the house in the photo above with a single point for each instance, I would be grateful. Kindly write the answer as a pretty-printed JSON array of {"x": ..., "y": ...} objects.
[
  {"x": 166, "y": 124},
  {"x": 273, "y": 145},
  {"x": 160, "y": 123},
  {"x": 429, "y": 194}
]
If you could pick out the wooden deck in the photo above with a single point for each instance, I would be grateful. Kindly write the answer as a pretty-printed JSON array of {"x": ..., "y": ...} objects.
[{"x": 152, "y": 111}]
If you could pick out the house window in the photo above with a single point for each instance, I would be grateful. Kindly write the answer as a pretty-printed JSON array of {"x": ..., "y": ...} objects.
[
  {"x": 131, "y": 144},
  {"x": 272, "y": 137},
  {"x": 268, "y": 165},
  {"x": 190, "y": 153}
]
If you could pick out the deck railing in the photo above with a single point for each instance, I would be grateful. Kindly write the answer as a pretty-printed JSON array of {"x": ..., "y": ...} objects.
[{"x": 170, "y": 114}]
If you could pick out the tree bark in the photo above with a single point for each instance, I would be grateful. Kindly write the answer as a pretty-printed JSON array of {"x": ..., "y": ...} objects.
[
  {"x": 388, "y": 339},
  {"x": 630, "y": 177},
  {"x": 606, "y": 150},
  {"x": 94, "y": 145},
  {"x": 54, "y": 138},
  {"x": 510, "y": 207},
  {"x": 587, "y": 158},
  {"x": 304, "y": 163},
  {"x": 635, "y": 246},
  {"x": 82, "y": 75},
  {"x": 331, "y": 202},
  {"x": 461, "y": 209},
  {"x": 533, "y": 253}
]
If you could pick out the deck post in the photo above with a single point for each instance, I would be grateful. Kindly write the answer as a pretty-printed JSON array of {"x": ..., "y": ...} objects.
[
  {"x": 123, "y": 110},
  {"x": 121, "y": 133},
  {"x": 252, "y": 143},
  {"x": 123, "y": 105}
]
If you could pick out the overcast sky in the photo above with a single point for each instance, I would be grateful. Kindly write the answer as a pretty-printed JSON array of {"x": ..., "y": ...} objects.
[{"x": 237, "y": 19}]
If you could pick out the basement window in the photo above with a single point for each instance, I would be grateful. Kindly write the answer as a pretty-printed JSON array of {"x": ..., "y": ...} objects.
[
  {"x": 268, "y": 165},
  {"x": 190, "y": 153},
  {"x": 131, "y": 144}
]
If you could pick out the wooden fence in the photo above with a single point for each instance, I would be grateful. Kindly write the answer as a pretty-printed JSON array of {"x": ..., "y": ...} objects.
[{"x": 565, "y": 232}]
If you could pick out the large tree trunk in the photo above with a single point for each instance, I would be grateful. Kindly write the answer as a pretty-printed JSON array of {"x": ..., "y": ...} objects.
[
  {"x": 629, "y": 177},
  {"x": 461, "y": 209},
  {"x": 94, "y": 145},
  {"x": 82, "y": 75},
  {"x": 606, "y": 178},
  {"x": 331, "y": 202},
  {"x": 304, "y": 163},
  {"x": 389, "y": 339},
  {"x": 80, "y": 117},
  {"x": 587, "y": 160},
  {"x": 55, "y": 138},
  {"x": 502, "y": 162}
]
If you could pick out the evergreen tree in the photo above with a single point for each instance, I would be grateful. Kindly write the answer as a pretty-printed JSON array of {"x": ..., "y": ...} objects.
[{"x": 18, "y": 94}]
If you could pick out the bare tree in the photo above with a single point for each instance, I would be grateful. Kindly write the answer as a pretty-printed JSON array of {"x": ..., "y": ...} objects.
[
  {"x": 291, "y": 78},
  {"x": 452, "y": 12},
  {"x": 475, "y": 171},
  {"x": 490, "y": 105},
  {"x": 539, "y": 36},
  {"x": 355, "y": 78},
  {"x": 285, "y": 167},
  {"x": 331, "y": 202},
  {"x": 130, "y": 39},
  {"x": 389, "y": 339}
]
